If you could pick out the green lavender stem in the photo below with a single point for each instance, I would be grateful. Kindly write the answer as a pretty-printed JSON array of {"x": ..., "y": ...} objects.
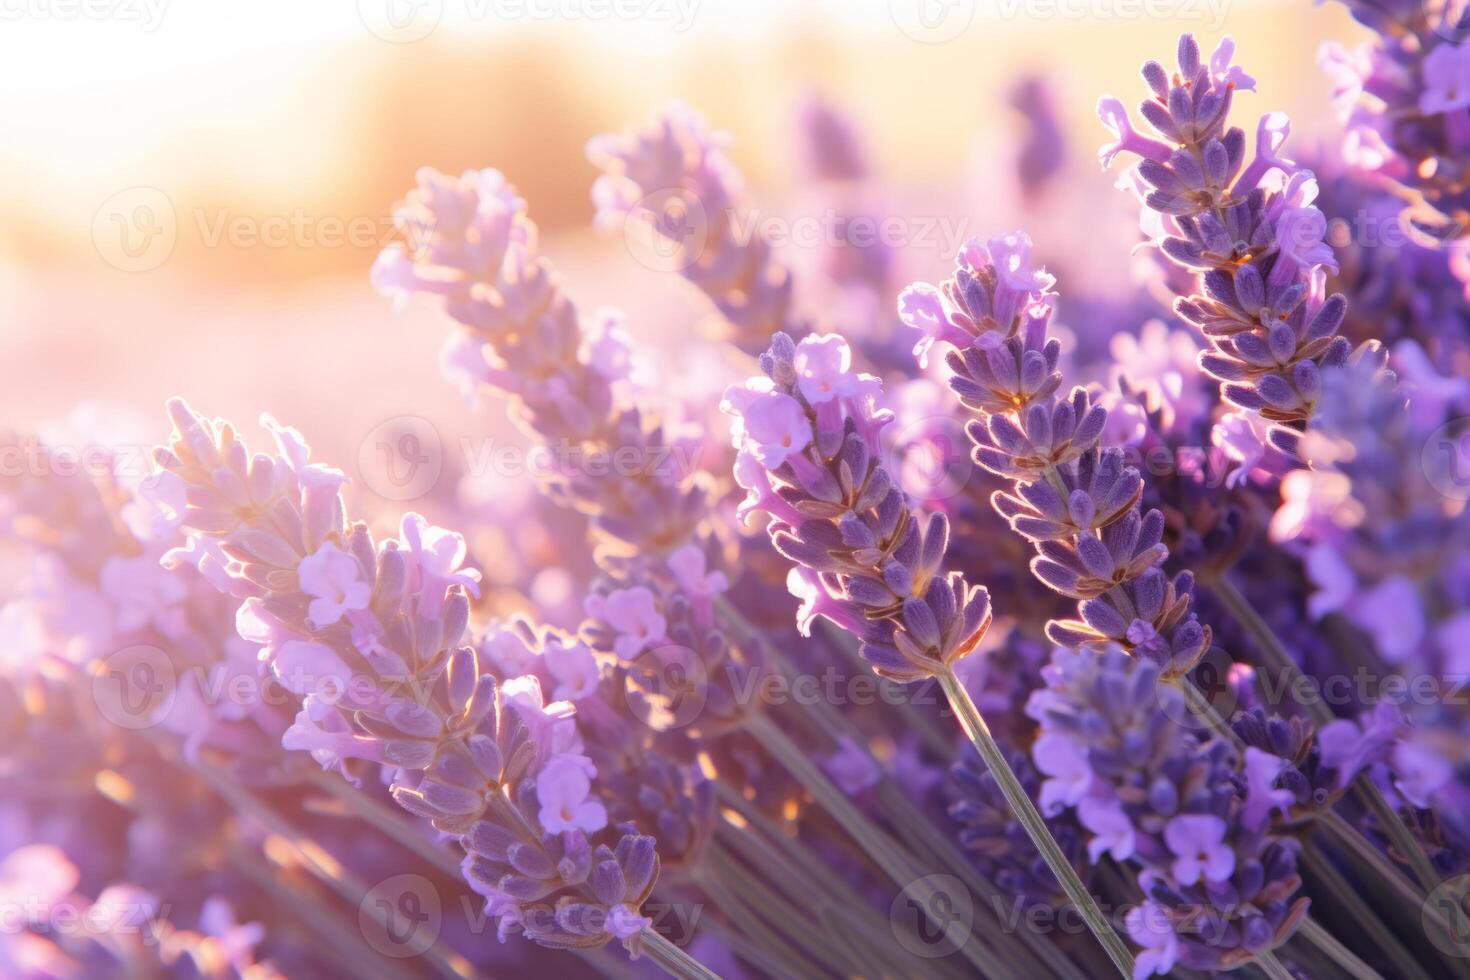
[
  {"x": 872, "y": 839},
  {"x": 1272, "y": 967},
  {"x": 1025, "y": 811},
  {"x": 674, "y": 961},
  {"x": 1342, "y": 891},
  {"x": 343, "y": 939}
]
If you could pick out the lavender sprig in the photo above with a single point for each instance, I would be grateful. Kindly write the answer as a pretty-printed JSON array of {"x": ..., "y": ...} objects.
[
  {"x": 674, "y": 180},
  {"x": 1403, "y": 101},
  {"x": 1221, "y": 885},
  {"x": 809, "y": 435},
  {"x": 1075, "y": 501},
  {"x": 370, "y": 636},
  {"x": 468, "y": 243},
  {"x": 809, "y": 459},
  {"x": 1247, "y": 230}
]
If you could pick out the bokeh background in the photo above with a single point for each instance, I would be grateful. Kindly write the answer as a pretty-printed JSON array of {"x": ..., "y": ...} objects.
[{"x": 262, "y": 146}]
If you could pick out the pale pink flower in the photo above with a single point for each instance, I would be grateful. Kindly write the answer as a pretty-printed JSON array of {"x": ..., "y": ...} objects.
[
  {"x": 1262, "y": 796},
  {"x": 157, "y": 506},
  {"x": 1223, "y": 71},
  {"x": 553, "y": 727},
  {"x": 562, "y": 787},
  {"x": 439, "y": 553},
  {"x": 1064, "y": 764},
  {"x": 1419, "y": 772},
  {"x": 776, "y": 427},
  {"x": 575, "y": 670},
  {"x": 1241, "y": 437},
  {"x": 312, "y": 670},
  {"x": 1112, "y": 831},
  {"x": 335, "y": 581},
  {"x": 508, "y": 652},
  {"x": 688, "y": 565},
  {"x": 634, "y": 615},
  {"x": 1149, "y": 927},
  {"x": 824, "y": 370}
]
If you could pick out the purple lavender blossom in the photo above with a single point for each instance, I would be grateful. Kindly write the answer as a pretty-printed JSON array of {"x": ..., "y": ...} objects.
[
  {"x": 1195, "y": 817},
  {"x": 810, "y": 459},
  {"x": 990, "y": 832},
  {"x": 674, "y": 179},
  {"x": 1403, "y": 100},
  {"x": 390, "y": 684},
  {"x": 468, "y": 242},
  {"x": 1247, "y": 229},
  {"x": 1075, "y": 501}
]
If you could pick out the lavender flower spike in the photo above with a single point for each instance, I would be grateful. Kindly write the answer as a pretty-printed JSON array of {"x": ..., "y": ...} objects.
[
  {"x": 1077, "y": 502},
  {"x": 1220, "y": 884},
  {"x": 809, "y": 457},
  {"x": 1247, "y": 228},
  {"x": 468, "y": 242},
  {"x": 674, "y": 178},
  {"x": 370, "y": 638}
]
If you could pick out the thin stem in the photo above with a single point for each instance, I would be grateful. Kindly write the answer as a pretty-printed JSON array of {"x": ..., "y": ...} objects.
[
  {"x": 877, "y": 844},
  {"x": 807, "y": 890},
  {"x": 1381, "y": 866},
  {"x": 316, "y": 860},
  {"x": 1334, "y": 884},
  {"x": 1025, "y": 811},
  {"x": 1278, "y": 657},
  {"x": 893, "y": 798},
  {"x": 343, "y": 940},
  {"x": 765, "y": 949},
  {"x": 394, "y": 823},
  {"x": 914, "y": 719},
  {"x": 674, "y": 961},
  {"x": 779, "y": 912},
  {"x": 1272, "y": 967}
]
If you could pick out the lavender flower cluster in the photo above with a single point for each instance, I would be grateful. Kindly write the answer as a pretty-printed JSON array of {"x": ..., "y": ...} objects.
[
  {"x": 234, "y": 713},
  {"x": 1402, "y": 98}
]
